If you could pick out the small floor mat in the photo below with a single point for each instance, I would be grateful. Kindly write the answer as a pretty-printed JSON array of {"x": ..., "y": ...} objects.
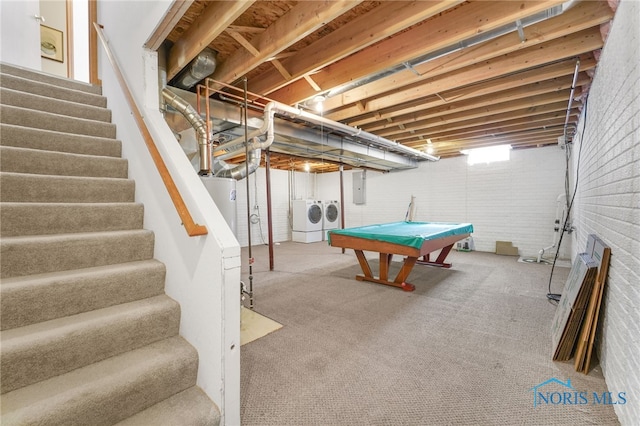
[{"x": 254, "y": 326}]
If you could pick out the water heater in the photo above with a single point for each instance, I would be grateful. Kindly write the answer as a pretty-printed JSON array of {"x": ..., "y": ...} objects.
[{"x": 223, "y": 193}]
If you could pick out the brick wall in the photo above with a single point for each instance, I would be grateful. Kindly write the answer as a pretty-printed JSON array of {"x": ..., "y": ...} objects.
[
  {"x": 505, "y": 201},
  {"x": 608, "y": 200}
]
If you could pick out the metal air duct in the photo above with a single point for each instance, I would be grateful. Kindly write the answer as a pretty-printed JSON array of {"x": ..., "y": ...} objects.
[
  {"x": 198, "y": 69},
  {"x": 239, "y": 171},
  {"x": 234, "y": 146},
  {"x": 191, "y": 115}
]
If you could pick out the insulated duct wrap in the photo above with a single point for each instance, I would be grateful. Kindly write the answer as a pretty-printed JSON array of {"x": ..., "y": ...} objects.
[
  {"x": 239, "y": 171},
  {"x": 191, "y": 115},
  {"x": 198, "y": 69}
]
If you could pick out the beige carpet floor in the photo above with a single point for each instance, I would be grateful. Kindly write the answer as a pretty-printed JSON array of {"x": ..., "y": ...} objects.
[{"x": 465, "y": 348}]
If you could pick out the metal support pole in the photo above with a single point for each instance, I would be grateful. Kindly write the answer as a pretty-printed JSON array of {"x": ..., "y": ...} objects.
[
  {"x": 267, "y": 161},
  {"x": 342, "y": 199},
  {"x": 246, "y": 148}
]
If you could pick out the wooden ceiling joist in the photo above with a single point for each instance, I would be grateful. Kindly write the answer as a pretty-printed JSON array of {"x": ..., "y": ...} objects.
[
  {"x": 530, "y": 82},
  {"x": 365, "y": 30},
  {"x": 581, "y": 42},
  {"x": 303, "y": 19},
  {"x": 417, "y": 41},
  {"x": 426, "y": 74},
  {"x": 212, "y": 22}
]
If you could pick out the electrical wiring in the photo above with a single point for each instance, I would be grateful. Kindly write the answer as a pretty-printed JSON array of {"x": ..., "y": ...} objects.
[{"x": 556, "y": 296}]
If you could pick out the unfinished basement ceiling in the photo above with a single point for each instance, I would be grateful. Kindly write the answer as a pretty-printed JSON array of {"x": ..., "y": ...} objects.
[{"x": 439, "y": 75}]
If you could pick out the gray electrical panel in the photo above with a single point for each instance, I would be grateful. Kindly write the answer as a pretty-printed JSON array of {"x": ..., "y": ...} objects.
[{"x": 359, "y": 187}]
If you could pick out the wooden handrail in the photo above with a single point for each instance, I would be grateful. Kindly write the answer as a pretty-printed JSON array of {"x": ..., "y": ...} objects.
[{"x": 193, "y": 229}]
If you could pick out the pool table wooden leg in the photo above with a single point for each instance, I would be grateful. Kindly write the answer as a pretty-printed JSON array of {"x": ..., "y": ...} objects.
[
  {"x": 364, "y": 264},
  {"x": 440, "y": 260},
  {"x": 404, "y": 272},
  {"x": 385, "y": 260}
]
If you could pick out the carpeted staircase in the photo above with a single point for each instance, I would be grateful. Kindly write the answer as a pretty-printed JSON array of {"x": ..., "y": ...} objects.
[{"x": 88, "y": 335}]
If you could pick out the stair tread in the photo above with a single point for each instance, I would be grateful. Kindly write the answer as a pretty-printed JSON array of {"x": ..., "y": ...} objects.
[
  {"x": 71, "y": 251},
  {"x": 191, "y": 407},
  {"x": 31, "y": 175},
  {"x": 28, "y": 137},
  {"x": 32, "y": 280},
  {"x": 38, "y": 102},
  {"x": 47, "y": 330},
  {"x": 98, "y": 392},
  {"x": 35, "y": 75},
  {"x": 32, "y": 298},
  {"x": 72, "y": 236},
  {"x": 39, "y": 351},
  {"x": 28, "y": 187},
  {"x": 26, "y": 85},
  {"x": 75, "y": 155},
  {"x": 60, "y": 218},
  {"x": 52, "y": 121},
  {"x": 43, "y": 162}
]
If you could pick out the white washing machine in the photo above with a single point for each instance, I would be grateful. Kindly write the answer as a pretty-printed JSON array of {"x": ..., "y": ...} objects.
[
  {"x": 330, "y": 217},
  {"x": 307, "y": 221}
]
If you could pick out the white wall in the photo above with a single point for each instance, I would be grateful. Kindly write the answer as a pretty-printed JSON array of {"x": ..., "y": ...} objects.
[
  {"x": 20, "y": 33},
  {"x": 203, "y": 273},
  {"x": 55, "y": 14},
  {"x": 81, "y": 40},
  {"x": 505, "y": 201},
  {"x": 285, "y": 186},
  {"x": 608, "y": 201}
]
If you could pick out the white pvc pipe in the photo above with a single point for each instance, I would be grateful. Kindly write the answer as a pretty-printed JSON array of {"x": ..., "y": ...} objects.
[{"x": 560, "y": 211}]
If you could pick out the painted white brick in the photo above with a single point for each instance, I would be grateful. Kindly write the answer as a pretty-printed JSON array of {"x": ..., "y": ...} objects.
[
  {"x": 608, "y": 201},
  {"x": 511, "y": 201}
]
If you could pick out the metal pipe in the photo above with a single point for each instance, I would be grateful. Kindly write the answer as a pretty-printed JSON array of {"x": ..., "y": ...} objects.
[
  {"x": 573, "y": 88},
  {"x": 192, "y": 116},
  {"x": 267, "y": 161},
  {"x": 246, "y": 138},
  {"x": 342, "y": 220}
]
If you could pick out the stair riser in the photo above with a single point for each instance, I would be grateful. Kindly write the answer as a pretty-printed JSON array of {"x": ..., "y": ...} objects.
[
  {"x": 55, "y": 106},
  {"x": 25, "y": 137},
  {"x": 21, "y": 160},
  {"x": 23, "y": 256},
  {"x": 84, "y": 339},
  {"x": 50, "y": 91},
  {"x": 125, "y": 388},
  {"x": 59, "y": 123},
  {"x": 27, "y": 300},
  {"x": 7, "y": 69},
  {"x": 46, "y": 218},
  {"x": 16, "y": 187}
]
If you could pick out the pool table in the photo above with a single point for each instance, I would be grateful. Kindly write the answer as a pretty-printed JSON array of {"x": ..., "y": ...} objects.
[{"x": 414, "y": 240}]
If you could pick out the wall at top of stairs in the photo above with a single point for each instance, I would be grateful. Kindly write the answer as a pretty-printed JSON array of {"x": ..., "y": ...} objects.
[{"x": 88, "y": 334}]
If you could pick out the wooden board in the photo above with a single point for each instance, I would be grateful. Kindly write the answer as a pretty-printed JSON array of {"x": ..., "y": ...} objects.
[
  {"x": 601, "y": 254},
  {"x": 572, "y": 306}
]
